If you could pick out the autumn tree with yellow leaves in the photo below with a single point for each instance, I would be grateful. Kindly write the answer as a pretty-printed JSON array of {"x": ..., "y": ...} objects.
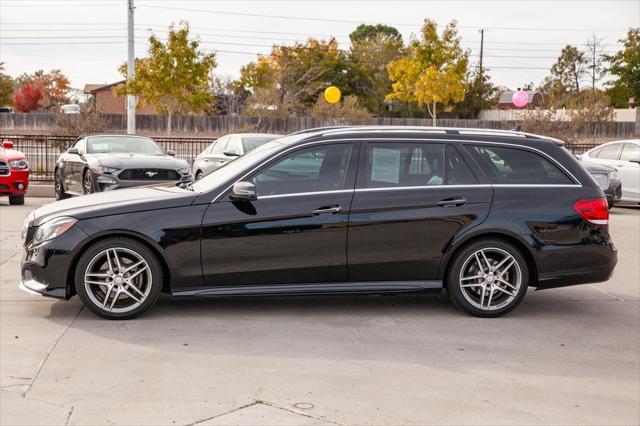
[{"x": 432, "y": 71}]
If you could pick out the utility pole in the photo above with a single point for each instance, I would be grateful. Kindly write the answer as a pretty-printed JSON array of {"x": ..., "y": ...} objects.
[
  {"x": 131, "y": 70},
  {"x": 481, "y": 51}
]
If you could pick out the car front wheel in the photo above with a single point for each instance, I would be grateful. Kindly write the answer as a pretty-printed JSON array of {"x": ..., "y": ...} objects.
[
  {"x": 87, "y": 183},
  {"x": 16, "y": 200},
  {"x": 118, "y": 278},
  {"x": 488, "y": 278}
]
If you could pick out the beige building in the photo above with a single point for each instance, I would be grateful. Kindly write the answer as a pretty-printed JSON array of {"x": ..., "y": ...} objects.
[{"x": 105, "y": 101}]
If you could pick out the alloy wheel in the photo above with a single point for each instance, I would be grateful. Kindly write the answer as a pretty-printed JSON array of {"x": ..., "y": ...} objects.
[
  {"x": 87, "y": 183},
  {"x": 490, "y": 278},
  {"x": 118, "y": 280}
]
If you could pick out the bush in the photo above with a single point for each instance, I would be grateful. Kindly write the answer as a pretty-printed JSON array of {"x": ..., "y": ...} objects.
[{"x": 348, "y": 111}]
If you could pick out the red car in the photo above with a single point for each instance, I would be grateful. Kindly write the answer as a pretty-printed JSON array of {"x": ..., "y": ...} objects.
[{"x": 14, "y": 173}]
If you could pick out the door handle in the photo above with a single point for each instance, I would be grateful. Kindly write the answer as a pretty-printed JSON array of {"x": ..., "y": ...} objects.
[
  {"x": 450, "y": 202},
  {"x": 327, "y": 210}
]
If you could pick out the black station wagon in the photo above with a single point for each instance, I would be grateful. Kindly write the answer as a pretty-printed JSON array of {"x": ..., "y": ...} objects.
[{"x": 483, "y": 214}]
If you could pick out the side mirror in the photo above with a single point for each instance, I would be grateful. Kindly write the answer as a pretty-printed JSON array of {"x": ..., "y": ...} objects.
[
  {"x": 635, "y": 159},
  {"x": 243, "y": 191},
  {"x": 73, "y": 151},
  {"x": 7, "y": 144},
  {"x": 231, "y": 153},
  {"x": 171, "y": 152}
]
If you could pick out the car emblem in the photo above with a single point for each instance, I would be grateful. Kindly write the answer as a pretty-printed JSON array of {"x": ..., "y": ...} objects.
[{"x": 151, "y": 174}]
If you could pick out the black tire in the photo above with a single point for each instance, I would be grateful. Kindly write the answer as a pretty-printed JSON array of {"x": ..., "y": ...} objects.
[
  {"x": 121, "y": 307},
  {"x": 471, "y": 296},
  {"x": 16, "y": 200},
  {"x": 59, "y": 186},
  {"x": 199, "y": 175},
  {"x": 88, "y": 187}
]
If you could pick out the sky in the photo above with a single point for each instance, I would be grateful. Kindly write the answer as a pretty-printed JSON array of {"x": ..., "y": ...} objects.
[{"x": 86, "y": 39}]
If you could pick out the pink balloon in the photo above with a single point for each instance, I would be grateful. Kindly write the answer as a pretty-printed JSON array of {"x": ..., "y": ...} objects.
[{"x": 520, "y": 98}]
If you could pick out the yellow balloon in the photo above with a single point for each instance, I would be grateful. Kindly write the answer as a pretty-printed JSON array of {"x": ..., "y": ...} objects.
[{"x": 332, "y": 94}]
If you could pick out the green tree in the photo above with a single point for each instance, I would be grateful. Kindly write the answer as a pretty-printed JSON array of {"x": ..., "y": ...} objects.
[
  {"x": 625, "y": 66},
  {"x": 6, "y": 87},
  {"x": 366, "y": 31},
  {"x": 480, "y": 94},
  {"x": 174, "y": 77},
  {"x": 432, "y": 71},
  {"x": 373, "y": 47},
  {"x": 569, "y": 68}
]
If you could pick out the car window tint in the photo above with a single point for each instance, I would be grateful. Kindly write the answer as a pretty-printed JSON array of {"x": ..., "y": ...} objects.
[
  {"x": 518, "y": 166},
  {"x": 629, "y": 151},
  {"x": 458, "y": 170},
  {"x": 220, "y": 146},
  {"x": 404, "y": 164},
  {"x": 322, "y": 168},
  {"x": 609, "y": 152}
]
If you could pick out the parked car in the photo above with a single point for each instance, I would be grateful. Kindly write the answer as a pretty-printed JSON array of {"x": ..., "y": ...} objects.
[
  {"x": 14, "y": 173},
  {"x": 481, "y": 213},
  {"x": 6, "y": 110},
  {"x": 608, "y": 179},
  {"x": 625, "y": 157},
  {"x": 97, "y": 163},
  {"x": 227, "y": 148},
  {"x": 70, "y": 109}
]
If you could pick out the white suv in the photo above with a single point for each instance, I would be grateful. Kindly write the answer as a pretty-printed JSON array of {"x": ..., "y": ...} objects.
[{"x": 624, "y": 156}]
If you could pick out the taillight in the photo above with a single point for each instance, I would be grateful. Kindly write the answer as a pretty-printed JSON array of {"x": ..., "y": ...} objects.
[{"x": 593, "y": 210}]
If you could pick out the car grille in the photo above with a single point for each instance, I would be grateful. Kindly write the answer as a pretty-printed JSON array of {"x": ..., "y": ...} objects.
[
  {"x": 149, "y": 174},
  {"x": 4, "y": 168}
]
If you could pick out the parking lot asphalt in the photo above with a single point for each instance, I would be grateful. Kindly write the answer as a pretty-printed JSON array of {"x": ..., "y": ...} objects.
[{"x": 564, "y": 357}]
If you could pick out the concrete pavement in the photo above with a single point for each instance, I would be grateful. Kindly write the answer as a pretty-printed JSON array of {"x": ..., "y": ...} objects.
[{"x": 564, "y": 357}]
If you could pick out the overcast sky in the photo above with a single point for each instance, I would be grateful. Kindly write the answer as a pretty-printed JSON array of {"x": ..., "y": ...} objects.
[{"x": 86, "y": 39}]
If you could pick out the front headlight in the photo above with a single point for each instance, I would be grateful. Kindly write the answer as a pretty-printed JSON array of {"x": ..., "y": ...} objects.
[
  {"x": 52, "y": 229},
  {"x": 185, "y": 170},
  {"x": 614, "y": 176},
  {"x": 104, "y": 169},
  {"x": 26, "y": 224},
  {"x": 19, "y": 164}
]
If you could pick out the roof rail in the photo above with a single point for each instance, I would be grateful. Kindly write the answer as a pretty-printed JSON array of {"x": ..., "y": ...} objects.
[
  {"x": 446, "y": 130},
  {"x": 318, "y": 129}
]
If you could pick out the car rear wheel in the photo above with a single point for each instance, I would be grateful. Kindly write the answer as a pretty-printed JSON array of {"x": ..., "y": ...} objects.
[
  {"x": 16, "y": 200},
  {"x": 118, "y": 278},
  {"x": 488, "y": 278},
  {"x": 59, "y": 188},
  {"x": 87, "y": 183}
]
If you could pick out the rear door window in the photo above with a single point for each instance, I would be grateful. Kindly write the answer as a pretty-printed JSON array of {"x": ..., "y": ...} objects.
[
  {"x": 629, "y": 151},
  {"x": 517, "y": 166},
  {"x": 458, "y": 171},
  {"x": 404, "y": 164}
]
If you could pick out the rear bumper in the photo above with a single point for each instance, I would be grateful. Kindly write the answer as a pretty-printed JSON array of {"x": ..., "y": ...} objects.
[{"x": 582, "y": 264}]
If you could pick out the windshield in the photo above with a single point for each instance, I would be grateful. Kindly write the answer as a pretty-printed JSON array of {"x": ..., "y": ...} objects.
[
  {"x": 245, "y": 163},
  {"x": 104, "y": 144},
  {"x": 251, "y": 143}
]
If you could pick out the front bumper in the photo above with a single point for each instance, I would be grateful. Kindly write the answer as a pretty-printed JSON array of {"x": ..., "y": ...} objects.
[
  {"x": 108, "y": 182},
  {"x": 15, "y": 184}
]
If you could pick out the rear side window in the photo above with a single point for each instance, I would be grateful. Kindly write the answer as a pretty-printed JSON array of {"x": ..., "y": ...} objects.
[
  {"x": 517, "y": 166},
  {"x": 404, "y": 164},
  {"x": 609, "y": 152},
  {"x": 629, "y": 151}
]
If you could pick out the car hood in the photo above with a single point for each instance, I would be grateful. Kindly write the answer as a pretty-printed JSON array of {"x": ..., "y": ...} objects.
[
  {"x": 11, "y": 154},
  {"x": 138, "y": 161},
  {"x": 116, "y": 202},
  {"x": 594, "y": 168}
]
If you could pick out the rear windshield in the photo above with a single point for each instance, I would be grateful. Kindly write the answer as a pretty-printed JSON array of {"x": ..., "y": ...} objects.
[
  {"x": 517, "y": 166},
  {"x": 106, "y": 144}
]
